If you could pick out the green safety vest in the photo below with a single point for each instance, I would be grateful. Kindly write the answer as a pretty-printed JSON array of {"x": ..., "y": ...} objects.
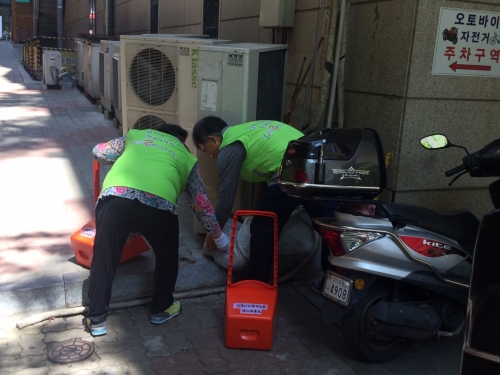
[
  {"x": 265, "y": 143},
  {"x": 154, "y": 162}
]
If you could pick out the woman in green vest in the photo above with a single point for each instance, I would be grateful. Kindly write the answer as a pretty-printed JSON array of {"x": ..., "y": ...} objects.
[
  {"x": 253, "y": 152},
  {"x": 151, "y": 168}
]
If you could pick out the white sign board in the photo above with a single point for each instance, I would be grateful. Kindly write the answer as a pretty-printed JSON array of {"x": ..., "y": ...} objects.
[{"x": 467, "y": 43}]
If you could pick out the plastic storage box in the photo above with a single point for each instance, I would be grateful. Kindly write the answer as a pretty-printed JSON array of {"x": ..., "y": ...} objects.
[
  {"x": 251, "y": 305},
  {"x": 82, "y": 240}
]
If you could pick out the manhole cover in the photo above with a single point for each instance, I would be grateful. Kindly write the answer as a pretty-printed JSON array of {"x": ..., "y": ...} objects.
[{"x": 69, "y": 351}]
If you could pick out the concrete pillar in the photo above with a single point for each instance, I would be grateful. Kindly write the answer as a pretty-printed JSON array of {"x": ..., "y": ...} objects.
[{"x": 389, "y": 86}]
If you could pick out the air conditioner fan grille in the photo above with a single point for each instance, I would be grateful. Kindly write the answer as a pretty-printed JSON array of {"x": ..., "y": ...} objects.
[
  {"x": 152, "y": 76},
  {"x": 148, "y": 122}
]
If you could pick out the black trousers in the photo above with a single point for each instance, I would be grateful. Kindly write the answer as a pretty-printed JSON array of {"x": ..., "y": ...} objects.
[
  {"x": 115, "y": 218},
  {"x": 261, "y": 229}
]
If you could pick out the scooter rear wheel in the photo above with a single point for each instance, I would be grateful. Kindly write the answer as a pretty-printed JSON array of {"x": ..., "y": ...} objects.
[{"x": 366, "y": 345}]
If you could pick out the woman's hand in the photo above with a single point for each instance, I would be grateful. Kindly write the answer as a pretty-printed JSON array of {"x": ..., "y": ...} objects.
[{"x": 219, "y": 240}]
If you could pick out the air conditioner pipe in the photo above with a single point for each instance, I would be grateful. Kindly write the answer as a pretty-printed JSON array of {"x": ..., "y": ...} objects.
[
  {"x": 313, "y": 62},
  {"x": 336, "y": 65},
  {"x": 60, "y": 23},
  {"x": 318, "y": 119},
  {"x": 109, "y": 17}
]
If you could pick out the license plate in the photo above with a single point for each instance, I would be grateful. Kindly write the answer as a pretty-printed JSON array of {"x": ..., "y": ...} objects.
[{"x": 337, "y": 288}]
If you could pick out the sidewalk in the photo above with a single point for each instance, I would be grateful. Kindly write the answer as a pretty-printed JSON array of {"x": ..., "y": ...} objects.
[
  {"x": 46, "y": 141},
  {"x": 46, "y": 137}
]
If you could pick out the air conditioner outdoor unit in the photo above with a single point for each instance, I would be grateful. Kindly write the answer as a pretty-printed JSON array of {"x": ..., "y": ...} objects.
[
  {"x": 91, "y": 69},
  {"x": 242, "y": 82},
  {"x": 116, "y": 87},
  {"x": 106, "y": 53},
  {"x": 197, "y": 36},
  {"x": 239, "y": 83},
  {"x": 79, "y": 61},
  {"x": 159, "y": 80},
  {"x": 52, "y": 62}
]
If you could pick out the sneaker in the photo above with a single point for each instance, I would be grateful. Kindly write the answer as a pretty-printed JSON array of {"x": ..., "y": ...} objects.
[
  {"x": 162, "y": 317},
  {"x": 318, "y": 285},
  {"x": 96, "y": 329}
]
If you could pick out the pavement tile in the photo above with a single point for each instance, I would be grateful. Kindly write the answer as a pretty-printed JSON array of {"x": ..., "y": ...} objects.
[
  {"x": 179, "y": 363},
  {"x": 32, "y": 345},
  {"x": 331, "y": 365},
  {"x": 117, "y": 346},
  {"x": 296, "y": 349},
  {"x": 122, "y": 357},
  {"x": 146, "y": 328},
  {"x": 291, "y": 330},
  {"x": 177, "y": 342},
  {"x": 25, "y": 365},
  {"x": 155, "y": 346},
  {"x": 202, "y": 318},
  {"x": 208, "y": 333},
  {"x": 9, "y": 348},
  {"x": 209, "y": 358}
]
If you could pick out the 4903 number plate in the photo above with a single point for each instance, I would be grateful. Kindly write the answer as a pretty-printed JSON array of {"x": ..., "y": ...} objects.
[{"x": 337, "y": 288}]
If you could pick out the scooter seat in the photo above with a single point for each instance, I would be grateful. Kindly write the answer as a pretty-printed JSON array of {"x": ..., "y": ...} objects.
[{"x": 462, "y": 226}]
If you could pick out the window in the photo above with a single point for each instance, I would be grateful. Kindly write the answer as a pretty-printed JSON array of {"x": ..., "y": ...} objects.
[
  {"x": 153, "y": 17},
  {"x": 211, "y": 18},
  {"x": 91, "y": 16}
]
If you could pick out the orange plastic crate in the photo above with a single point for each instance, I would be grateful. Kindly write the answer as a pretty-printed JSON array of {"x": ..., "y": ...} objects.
[
  {"x": 251, "y": 305},
  {"x": 82, "y": 240}
]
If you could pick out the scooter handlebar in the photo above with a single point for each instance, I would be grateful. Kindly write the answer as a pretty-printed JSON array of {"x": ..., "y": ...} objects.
[{"x": 455, "y": 170}]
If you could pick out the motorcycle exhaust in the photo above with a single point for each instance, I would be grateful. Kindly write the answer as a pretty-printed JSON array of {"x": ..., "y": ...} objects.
[
  {"x": 417, "y": 322},
  {"x": 380, "y": 328}
]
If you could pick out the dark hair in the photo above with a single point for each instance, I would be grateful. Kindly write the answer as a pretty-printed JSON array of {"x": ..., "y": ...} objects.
[
  {"x": 207, "y": 126},
  {"x": 174, "y": 130}
]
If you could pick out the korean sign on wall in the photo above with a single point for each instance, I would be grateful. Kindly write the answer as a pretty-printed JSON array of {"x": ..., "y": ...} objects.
[{"x": 467, "y": 43}]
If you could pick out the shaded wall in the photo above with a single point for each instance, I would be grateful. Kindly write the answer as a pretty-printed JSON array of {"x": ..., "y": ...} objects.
[{"x": 389, "y": 86}]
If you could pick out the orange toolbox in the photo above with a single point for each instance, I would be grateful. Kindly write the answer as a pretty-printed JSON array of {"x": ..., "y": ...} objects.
[
  {"x": 251, "y": 305},
  {"x": 82, "y": 240}
]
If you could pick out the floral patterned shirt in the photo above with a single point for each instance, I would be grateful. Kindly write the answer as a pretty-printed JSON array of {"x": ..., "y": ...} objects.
[{"x": 108, "y": 153}]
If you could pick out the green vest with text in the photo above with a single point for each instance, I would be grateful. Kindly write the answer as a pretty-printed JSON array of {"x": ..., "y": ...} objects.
[
  {"x": 154, "y": 162},
  {"x": 265, "y": 143}
]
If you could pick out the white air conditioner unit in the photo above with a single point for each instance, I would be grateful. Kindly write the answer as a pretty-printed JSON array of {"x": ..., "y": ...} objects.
[
  {"x": 197, "y": 36},
  {"x": 106, "y": 53},
  {"x": 239, "y": 83},
  {"x": 52, "y": 63},
  {"x": 116, "y": 87},
  {"x": 91, "y": 69},
  {"x": 79, "y": 61},
  {"x": 188, "y": 78},
  {"x": 242, "y": 82},
  {"x": 159, "y": 79}
]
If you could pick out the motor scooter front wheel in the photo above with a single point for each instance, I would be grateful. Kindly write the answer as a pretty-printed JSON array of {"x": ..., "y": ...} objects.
[{"x": 365, "y": 344}]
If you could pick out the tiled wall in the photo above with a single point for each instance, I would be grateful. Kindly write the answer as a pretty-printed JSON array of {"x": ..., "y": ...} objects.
[{"x": 389, "y": 86}]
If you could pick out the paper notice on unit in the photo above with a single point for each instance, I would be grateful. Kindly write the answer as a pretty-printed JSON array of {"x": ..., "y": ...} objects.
[{"x": 208, "y": 96}]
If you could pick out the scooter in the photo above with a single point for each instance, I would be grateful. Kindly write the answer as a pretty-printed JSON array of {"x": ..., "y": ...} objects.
[
  {"x": 399, "y": 275},
  {"x": 403, "y": 274}
]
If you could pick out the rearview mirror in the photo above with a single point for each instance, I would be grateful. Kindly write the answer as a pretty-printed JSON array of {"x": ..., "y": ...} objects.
[{"x": 434, "y": 142}]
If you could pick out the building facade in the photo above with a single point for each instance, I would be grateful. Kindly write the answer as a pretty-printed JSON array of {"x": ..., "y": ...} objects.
[{"x": 386, "y": 76}]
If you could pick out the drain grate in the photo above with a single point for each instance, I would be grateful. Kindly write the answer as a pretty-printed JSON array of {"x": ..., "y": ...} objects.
[{"x": 69, "y": 351}]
